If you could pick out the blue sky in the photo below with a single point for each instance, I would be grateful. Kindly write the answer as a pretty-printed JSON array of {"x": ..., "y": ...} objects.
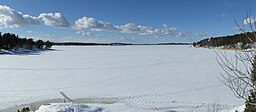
[{"x": 135, "y": 21}]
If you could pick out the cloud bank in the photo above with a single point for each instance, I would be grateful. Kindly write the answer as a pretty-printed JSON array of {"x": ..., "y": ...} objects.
[
  {"x": 91, "y": 24},
  {"x": 10, "y": 18}
]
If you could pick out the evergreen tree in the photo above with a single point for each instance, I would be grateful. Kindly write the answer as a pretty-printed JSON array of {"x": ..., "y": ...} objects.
[
  {"x": 39, "y": 44},
  {"x": 10, "y": 41},
  {"x": 48, "y": 44}
]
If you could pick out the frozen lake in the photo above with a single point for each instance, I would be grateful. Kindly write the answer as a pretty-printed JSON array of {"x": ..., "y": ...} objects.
[{"x": 137, "y": 78}]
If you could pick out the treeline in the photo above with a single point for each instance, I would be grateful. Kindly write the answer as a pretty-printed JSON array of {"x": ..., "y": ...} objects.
[
  {"x": 88, "y": 44},
  {"x": 10, "y": 41},
  {"x": 233, "y": 41},
  {"x": 111, "y": 44}
]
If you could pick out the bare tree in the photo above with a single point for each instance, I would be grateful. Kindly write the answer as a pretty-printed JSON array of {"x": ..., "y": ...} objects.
[{"x": 238, "y": 70}]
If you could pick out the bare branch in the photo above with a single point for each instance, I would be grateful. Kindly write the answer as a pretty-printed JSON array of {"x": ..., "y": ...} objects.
[{"x": 238, "y": 76}]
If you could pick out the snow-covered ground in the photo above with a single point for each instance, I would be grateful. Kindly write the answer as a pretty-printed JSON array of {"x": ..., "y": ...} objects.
[{"x": 132, "y": 78}]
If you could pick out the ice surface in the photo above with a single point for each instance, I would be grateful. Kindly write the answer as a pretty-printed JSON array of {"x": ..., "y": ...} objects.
[{"x": 157, "y": 78}]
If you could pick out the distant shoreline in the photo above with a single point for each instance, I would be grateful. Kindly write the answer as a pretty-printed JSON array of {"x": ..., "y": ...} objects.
[{"x": 110, "y": 44}]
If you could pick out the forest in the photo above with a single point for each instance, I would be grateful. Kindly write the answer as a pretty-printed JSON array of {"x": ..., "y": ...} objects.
[
  {"x": 9, "y": 41},
  {"x": 240, "y": 41}
]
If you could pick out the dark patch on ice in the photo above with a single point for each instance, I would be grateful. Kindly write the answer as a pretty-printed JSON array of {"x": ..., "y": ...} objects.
[
  {"x": 24, "y": 52},
  {"x": 171, "y": 111},
  {"x": 99, "y": 109},
  {"x": 84, "y": 106}
]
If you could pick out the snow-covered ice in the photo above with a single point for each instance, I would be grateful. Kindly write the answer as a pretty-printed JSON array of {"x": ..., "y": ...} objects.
[{"x": 134, "y": 78}]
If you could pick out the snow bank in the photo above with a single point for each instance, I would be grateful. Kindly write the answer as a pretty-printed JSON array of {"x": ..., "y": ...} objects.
[{"x": 69, "y": 107}]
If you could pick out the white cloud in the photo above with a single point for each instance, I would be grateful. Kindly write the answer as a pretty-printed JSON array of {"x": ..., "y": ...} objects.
[
  {"x": 146, "y": 30},
  {"x": 54, "y": 19},
  {"x": 84, "y": 33},
  {"x": 10, "y": 18},
  {"x": 92, "y": 24},
  {"x": 251, "y": 20}
]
